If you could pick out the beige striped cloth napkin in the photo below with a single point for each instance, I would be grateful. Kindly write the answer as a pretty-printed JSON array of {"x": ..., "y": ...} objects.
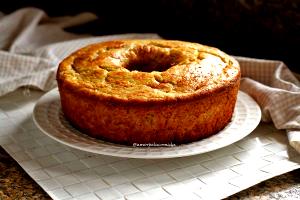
[
  {"x": 277, "y": 91},
  {"x": 32, "y": 44}
]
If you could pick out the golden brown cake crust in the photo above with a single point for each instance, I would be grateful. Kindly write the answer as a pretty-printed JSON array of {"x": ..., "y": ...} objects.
[{"x": 145, "y": 91}]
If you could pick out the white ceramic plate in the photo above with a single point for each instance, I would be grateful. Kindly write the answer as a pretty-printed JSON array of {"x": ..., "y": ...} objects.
[{"x": 49, "y": 118}]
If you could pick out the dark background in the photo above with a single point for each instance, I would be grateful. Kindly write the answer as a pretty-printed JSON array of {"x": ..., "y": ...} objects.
[{"x": 256, "y": 28}]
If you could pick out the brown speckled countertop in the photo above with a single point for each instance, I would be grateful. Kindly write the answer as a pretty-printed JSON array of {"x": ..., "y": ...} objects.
[
  {"x": 16, "y": 184},
  {"x": 286, "y": 186}
]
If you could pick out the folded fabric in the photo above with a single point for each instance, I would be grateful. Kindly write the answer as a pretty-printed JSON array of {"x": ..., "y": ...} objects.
[
  {"x": 277, "y": 91},
  {"x": 32, "y": 44}
]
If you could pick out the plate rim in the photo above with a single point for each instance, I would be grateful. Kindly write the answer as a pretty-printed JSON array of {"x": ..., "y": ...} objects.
[{"x": 48, "y": 94}]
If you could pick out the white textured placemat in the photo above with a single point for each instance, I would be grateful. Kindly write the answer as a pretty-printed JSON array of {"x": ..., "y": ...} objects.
[{"x": 67, "y": 173}]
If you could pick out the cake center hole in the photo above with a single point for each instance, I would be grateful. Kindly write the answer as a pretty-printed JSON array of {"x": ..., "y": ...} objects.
[{"x": 151, "y": 59}]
